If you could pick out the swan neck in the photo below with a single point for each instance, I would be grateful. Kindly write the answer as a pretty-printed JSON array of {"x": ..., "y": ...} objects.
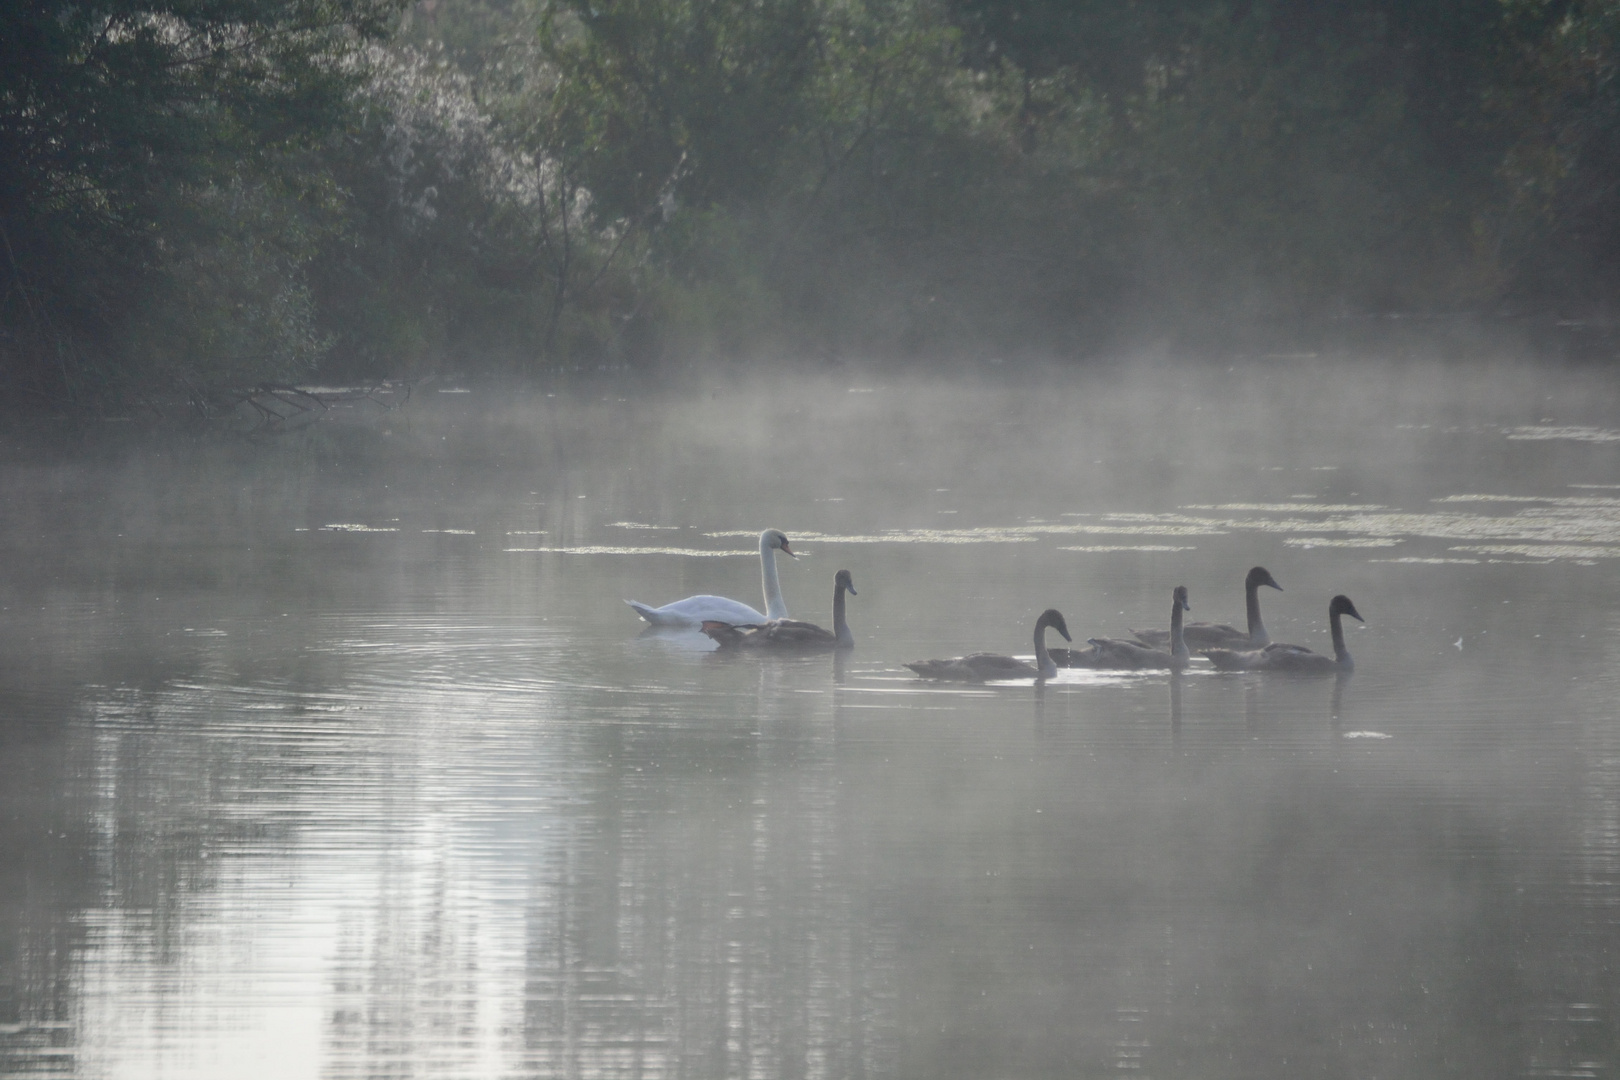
[
  {"x": 840, "y": 626},
  {"x": 1251, "y": 601},
  {"x": 775, "y": 608},
  {"x": 1340, "y": 653},
  {"x": 1043, "y": 659},
  {"x": 1178, "y": 640}
]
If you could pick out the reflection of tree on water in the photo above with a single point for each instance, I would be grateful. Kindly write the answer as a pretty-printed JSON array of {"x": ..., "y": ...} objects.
[
  {"x": 700, "y": 923},
  {"x": 48, "y": 880},
  {"x": 123, "y": 801}
]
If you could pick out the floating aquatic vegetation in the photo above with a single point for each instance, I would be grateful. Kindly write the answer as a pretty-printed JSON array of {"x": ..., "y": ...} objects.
[
  {"x": 1549, "y": 500},
  {"x": 1288, "y": 508},
  {"x": 608, "y": 549},
  {"x": 1575, "y": 432},
  {"x": 1103, "y": 548},
  {"x": 1429, "y": 562},
  {"x": 1543, "y": 551},
  {"x": 1341, "y": 541},
  {"x": 989, "y": 534},
  {"x": 1552, "y": 520},
  {"x": 1583, "y": 524}
]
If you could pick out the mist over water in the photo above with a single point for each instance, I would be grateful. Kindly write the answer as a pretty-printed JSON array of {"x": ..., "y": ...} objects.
[{"x": 339, "y": 754}]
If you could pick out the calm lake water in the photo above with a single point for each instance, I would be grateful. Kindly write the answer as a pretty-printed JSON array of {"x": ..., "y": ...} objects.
[{"x": 338, "y": 755}]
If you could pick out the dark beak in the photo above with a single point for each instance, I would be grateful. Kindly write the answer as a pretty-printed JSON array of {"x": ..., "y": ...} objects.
[{"x": 789, "y": 551}]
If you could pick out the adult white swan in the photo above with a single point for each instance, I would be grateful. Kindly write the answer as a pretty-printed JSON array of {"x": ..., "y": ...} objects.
[{"x": 695, "y": 610}]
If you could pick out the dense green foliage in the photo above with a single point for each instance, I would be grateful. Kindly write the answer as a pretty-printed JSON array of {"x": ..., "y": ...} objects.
[
  {"x": 196, "y": 193},
  {"x": 161, "y": 184}
]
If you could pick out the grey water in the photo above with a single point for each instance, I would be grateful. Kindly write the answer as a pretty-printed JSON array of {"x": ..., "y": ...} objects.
[{"x": 337, "y": 754}]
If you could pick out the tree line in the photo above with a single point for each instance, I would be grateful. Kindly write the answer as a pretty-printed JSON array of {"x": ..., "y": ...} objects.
[{"x": 206, "y": 193}]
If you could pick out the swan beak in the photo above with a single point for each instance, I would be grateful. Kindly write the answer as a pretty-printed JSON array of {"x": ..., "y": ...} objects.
[{"x": 787, "y": 550}]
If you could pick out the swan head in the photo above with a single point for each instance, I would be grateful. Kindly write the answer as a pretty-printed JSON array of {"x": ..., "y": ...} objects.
[
  {"x": 1261, "y": 576},
  {"x": 1341, "y": 605},
  {"x": 1180, "y": 598},
  {"x": 775, "y": 538},
  {"x": 844, "y": 581},
  {"x": 1053, "y": 618}
]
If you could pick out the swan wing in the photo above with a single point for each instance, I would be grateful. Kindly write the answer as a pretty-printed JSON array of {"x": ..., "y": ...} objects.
[
  {"x": 976, "y": 667},
  {"x": 997, "y": 666},
  {"x": 1278, "y": 657},
  {"x": 694, "y": 611},
  {"x": 1120, "y": 655},
  {"x": 1235, "y": 659},
  {"x": 1299, "y": 659},
  {"x": 1213, "y": 635},
  {"x": 789, "y": 634},
  {"x": 726, "y": 635},
  {"x": 941, "y": 669}
]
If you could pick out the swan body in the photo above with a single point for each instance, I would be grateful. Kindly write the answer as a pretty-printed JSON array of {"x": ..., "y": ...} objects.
[
  {"x": 988, "y": 667},
  {"x": 790, "y": 635},
  {"x": 1202, "y": 635},
  {"x": 694, "y": 611},
  {"x": 1295, "y": 658},
  {"x": 1117, "y": 654}
]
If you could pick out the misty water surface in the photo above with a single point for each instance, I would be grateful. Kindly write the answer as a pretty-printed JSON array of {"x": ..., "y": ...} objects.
[{"x": 338, "y": 755}]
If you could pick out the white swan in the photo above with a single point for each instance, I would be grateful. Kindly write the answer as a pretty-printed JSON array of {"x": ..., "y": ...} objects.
[{"x": 695, "y": 610}]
